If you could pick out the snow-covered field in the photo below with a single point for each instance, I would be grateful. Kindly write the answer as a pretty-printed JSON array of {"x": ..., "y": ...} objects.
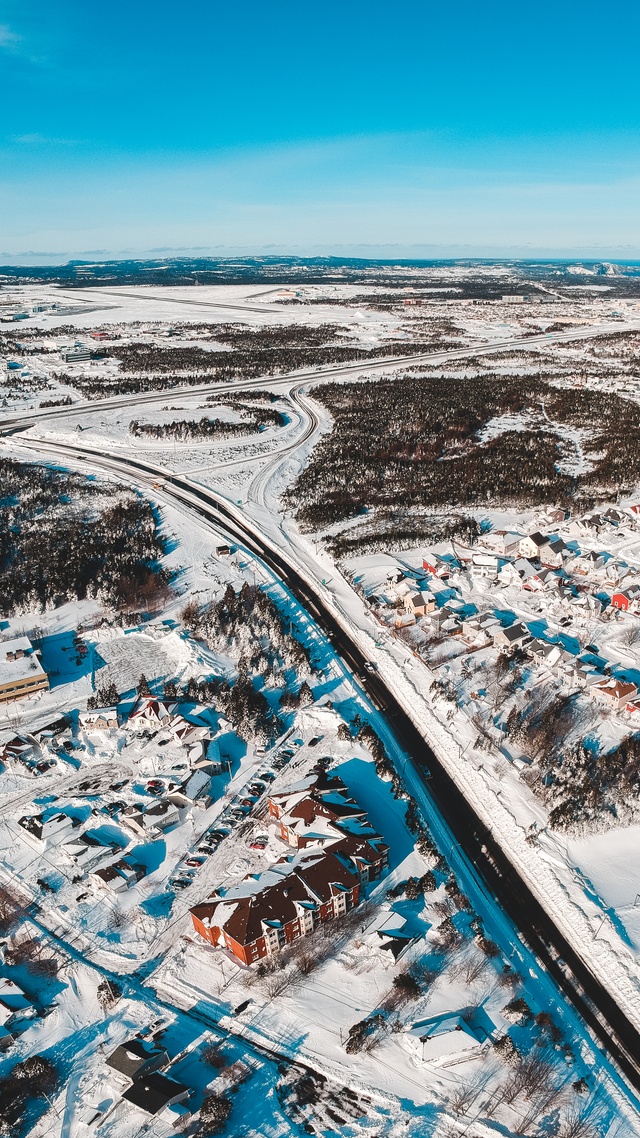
[{"x": 142, "y": 938}]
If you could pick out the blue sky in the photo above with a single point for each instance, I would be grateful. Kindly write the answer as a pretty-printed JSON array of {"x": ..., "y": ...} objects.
[{"x": 479, "y": 127}]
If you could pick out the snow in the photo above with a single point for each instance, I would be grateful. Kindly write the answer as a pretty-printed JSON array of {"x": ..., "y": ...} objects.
[{"x": 143, "y": 935}]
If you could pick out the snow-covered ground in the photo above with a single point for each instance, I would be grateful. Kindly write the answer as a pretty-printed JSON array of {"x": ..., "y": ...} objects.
[{"x": 144, "y": 936}]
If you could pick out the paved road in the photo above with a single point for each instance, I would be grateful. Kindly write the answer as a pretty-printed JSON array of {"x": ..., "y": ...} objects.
[
  {"x": 327, "y": 374},
  {"x": 618, "y": 1036}
]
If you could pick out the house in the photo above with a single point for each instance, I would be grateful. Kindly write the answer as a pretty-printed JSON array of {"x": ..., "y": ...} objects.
[
  {"x": 137, "y": 1058},
  {"x": 485, "y": 564},
  {"x": 530, "y": 546},
  {"x": 52, "y": 730},
  {"x": 19, "y": 748},
  {"x": 514, "y": 636},
  {"x": 556, "y": 515},
  {"x": 418, "y": 604},
  {"x": 87, "y": 851},
  {"x": 119, "y": 876},
  {"x": 317, "y": 811},
  {"x": 150, "y": 714},
  {"x": 625, "y": 599},
  {"x": 160, "y": 815},
  {"x": 186, "y": 732},
  {"x": 317, "y": 806},
  {"x": 196, "y": 789},
  {"x": 502, "y": 542},
  {"x": 552, "y": 552},
  {"x": 440, "y": 617},
  {"x": 21, "y": 673},
  {"x": 109, "y": 877},
  {"x": 261, "y": 916},
  {"x": 521, "y": 572},
  {"x": 477, "y": 629},
  {"x": 615, "y": 517},
  {"x": 443, "y": 1041},
  {"x": 614, "y": 693},
  {"x": 13, "y": 1003},
  {"x": 156, "y": 1092},
  {"x": 544, "y": 653},
  {"x": 50, "y": 830},
  {"x": 101, "y": 719}
]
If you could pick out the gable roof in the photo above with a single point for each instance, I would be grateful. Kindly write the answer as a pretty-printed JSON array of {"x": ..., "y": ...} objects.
[{"x": 153, "y": 1092}]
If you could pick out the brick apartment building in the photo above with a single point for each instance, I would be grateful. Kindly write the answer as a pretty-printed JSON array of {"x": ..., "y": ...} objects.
[
  {"x": 258, "y": 918},
  {"x": 338, "y": 854}
]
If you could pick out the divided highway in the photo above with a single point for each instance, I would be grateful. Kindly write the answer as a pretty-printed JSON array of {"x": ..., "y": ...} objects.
[{"x": 615, "y": 1032}]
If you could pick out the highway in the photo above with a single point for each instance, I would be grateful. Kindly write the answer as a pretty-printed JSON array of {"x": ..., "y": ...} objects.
[
  {"x": 617, "y": 1035},
  {"x": 326, "y": 373}
]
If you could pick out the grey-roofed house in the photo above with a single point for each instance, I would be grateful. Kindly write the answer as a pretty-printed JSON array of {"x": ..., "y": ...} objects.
[
  {"x": 516, "y": 634},
  {"x": 137, "y": 1058}
]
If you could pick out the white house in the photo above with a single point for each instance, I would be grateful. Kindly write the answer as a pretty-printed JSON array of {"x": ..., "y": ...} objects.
[
  {"x": 502, "y": 542},
  {"x": 49, "y": 831},
  {"x": 544, "y": 653},
  {"x": 552, "y": 553},
  {"x": 443, "y": 1041},
  {"x": 160, "y": 815},
  {"x": 88, "y": 852},
  {"x": 194, "y": 789},
  {"x": 512, "y": 637},
  {"x": 150, "y": 714},
  {"x": 531, "y": 545},
  {"x": 100, "y": 719}
]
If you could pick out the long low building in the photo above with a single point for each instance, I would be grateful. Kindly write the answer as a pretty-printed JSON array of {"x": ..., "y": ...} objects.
[{"x": 21, "y": 673}]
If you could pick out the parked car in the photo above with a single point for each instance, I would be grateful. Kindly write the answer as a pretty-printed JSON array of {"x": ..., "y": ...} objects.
[
  {"x": 269, "y": 775},
  {"x": 258, "y": 844},
  {"x": 180, "y": 882},
  {"x": 194, "y": 861}
]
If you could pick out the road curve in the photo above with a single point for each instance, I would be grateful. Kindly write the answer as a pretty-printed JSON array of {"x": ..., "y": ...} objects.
[{"x": 618, "y": 1036}]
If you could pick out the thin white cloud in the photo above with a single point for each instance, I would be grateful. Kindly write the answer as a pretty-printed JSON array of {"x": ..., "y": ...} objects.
[
  {"x": 8, "y": 39},
  {"x": 38, "y": 139}
]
